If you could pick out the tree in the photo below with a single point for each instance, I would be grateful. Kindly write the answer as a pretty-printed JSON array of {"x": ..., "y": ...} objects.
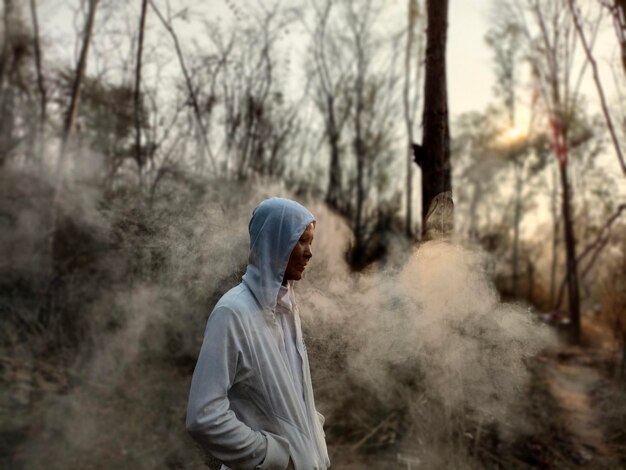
[
  {"x": 193, "y": 99},
  {"x": 433, "y": 156},
  {"x": 413, "y": 40},
  {"x": 243, "y": 93},
  {"x": 550, "y": 42},
  {"x": 519, "y": 146},
  {"x": 617, "y": 9},
  {"x": 81, "y": 67},
  {"x": 503, "y": 39},
  {"x": 137, "y": 92},
  {"x": 356, "y": 78},
  {"x": 330, "y": 69},
  {"x": 372, "y": 116},
  {"x": 576, "y": 18},
  {"x": 18, "y": 116},
  {"x": 43, "y": 95},
  {"x": 475, "y": 163},
  {"x": 613, "y": 311}
]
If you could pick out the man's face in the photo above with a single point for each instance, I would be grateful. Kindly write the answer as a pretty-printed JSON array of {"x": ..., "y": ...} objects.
[{"x": 300, "y": 255}]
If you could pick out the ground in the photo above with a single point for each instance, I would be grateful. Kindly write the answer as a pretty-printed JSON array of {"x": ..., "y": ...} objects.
[{"x": 577, "y": 407}]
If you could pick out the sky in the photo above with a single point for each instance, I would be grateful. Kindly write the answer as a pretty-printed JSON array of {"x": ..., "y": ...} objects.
[
  {"x": 470, "y": 70},
  {"x": 469, "y": 61}
]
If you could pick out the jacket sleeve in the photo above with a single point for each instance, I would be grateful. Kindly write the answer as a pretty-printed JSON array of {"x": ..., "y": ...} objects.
[{"x": 210, "y": 421}]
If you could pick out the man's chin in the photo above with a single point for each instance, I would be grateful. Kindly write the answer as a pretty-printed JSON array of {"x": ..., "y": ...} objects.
[{"x": 295, "y": 276}]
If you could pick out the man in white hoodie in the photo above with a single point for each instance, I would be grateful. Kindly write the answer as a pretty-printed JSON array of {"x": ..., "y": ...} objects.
[{"x": 251, "y": 402}]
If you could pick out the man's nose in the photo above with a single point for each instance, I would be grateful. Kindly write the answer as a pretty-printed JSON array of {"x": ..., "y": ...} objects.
[{"x": 307, "y": 252}]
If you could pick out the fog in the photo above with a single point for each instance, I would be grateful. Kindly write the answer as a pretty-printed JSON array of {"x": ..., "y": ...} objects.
[{"x": 422, "y": 332}]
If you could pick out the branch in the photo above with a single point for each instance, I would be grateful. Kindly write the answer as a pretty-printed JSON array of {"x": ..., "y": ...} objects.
[
  {"x": 192, "y": 93},
  {"x": 137, "y": 92},
  {"x": 598, "y": 244},
  {"x": 596, "y": 79}
]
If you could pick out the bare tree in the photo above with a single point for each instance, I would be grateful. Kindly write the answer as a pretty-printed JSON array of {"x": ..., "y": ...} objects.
[
  {"x": 330, "y": 68},
  {"x": 617, "y": 9},
  {"x": 43, "y": 96},
  {"x": 243, "y": 90},
  {"x": 167, "y": 24},
  {"x": 576, "y": 18},
  {"x": 72, "y": 111},
  {"x": 358, "y": 23},
  {"x": 556, "y": 219},
  {"x": 372, "y": 87},
  {"x": 551, "y": 50},
  {"x": 434, "y": 155},
  {"x": 520, "y": 141},
  {"x": 475, "y": 163},
  {"x": 356, "y": 74},
  {"x": 503, "y": 38},
  {"x": 410, "y": 104},
  {"x": 137, "y": 94},
  {"x": 6, "y": 45},
  {"x": 16, "y": 106}
]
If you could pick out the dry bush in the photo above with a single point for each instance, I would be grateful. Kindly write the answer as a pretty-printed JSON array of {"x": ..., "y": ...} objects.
[
  {"x": 415, "y": 356},
  {"x": 614, "y": 309},
  {"x": 104, "y": 329}
]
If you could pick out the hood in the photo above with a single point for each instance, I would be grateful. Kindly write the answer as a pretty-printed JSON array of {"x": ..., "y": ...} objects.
[{"x": 276, "y": 225}]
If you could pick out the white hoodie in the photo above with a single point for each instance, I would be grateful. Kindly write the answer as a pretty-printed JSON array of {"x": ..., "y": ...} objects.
[{"x": 244, "y": 407}]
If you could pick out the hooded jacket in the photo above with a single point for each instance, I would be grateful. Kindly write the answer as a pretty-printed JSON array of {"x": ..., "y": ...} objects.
[{"x": 243, "y": 405}]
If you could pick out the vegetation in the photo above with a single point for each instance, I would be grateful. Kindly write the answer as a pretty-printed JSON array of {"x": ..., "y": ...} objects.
[{"x": 133, "y": 149}]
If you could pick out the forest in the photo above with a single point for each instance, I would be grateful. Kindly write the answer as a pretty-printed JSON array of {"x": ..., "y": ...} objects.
[{"x": 465, "y": 307}]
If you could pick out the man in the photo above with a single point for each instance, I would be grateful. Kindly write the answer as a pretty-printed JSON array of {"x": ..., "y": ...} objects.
[{"x": 251, "y": 402}]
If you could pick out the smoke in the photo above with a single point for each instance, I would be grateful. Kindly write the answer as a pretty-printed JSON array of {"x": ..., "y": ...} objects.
[
  {"x": 431, "y": 338},
  {"x": 425, "y": 332},
  {"x": 137, "y": 284}
]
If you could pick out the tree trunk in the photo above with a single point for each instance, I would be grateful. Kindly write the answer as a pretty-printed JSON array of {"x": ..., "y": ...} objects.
[
  {"x": 620, "y": 7},
  {"x": 72, "y": 111},
  {"x": 358, "y": 253},
  {"x": 333, "y": 193},
  {"x": 408, "y": 114},
  {"x": 623, "y": 371},
  {"x": 6, "y": 45},
  {"x": 7, "y": 117},
  {"x": 137, "y": 115},
  {"x": 555, "y": 239},
  {"x": 43, "y": 98},
  {"x": 519, "y": 182},
  {"x": 359, "y": 150},
  {"x": 434, "y": 157},
  {"x": 570, "y": 252},
  {"x": 530, "y": 281}
]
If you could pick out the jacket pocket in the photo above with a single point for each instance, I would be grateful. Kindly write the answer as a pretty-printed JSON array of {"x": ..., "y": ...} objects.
[
  {"x": 277, "y": 454},
  {"x": 302, "y": 448}
]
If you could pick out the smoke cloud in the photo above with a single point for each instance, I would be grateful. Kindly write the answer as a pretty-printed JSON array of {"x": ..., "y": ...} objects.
[
  {"x": 425, "y": 332},
  {"x": 430, "y": 336}
]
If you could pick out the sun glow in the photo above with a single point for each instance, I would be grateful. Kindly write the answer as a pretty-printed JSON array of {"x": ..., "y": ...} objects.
[{"x": 514, "y": 133}]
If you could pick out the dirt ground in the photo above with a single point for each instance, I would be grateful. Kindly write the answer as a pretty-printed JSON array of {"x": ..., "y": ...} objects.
[
  {"x": 578, "y": 411},
  {"x": 572, "y": 419}
]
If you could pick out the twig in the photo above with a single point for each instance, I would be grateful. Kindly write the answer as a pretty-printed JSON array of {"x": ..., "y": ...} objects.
[
  {"x": 192, "y": 93},
  {"x": 372, "y": 432},
  {"x": 597, "y": 244},
  {"x": 596, "y": 79}
]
